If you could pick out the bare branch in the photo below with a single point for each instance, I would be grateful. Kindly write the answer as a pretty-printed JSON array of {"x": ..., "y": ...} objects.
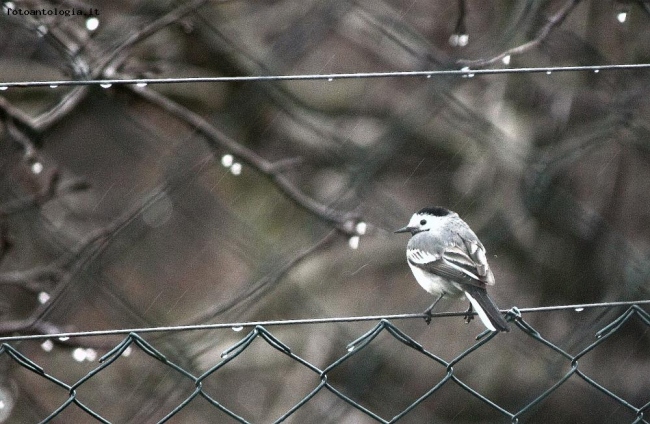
[
  {"x": 344, "y": 221},
  {"x": 551, "y": 23}
]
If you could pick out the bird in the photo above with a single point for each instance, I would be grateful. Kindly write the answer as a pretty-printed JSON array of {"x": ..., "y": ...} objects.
[{"x": 448, "y": 260}]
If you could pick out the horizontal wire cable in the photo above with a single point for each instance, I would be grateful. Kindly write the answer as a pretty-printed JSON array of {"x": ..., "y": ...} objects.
[
  {"x": 465, "y": 72},
  {"x": 304, "y": 321}
]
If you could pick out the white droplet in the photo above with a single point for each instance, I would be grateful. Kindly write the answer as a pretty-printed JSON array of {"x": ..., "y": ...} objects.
[
  {"x": 37, "y": 168},
  {"x": 141, "y": 84},
  {"x": 354, "y": 242},
  {"x": 548, "y": 72},
  {"x": 64, "y": 339},
  {"x": 466, "y": 70},
  {"x": 596, "y": 71},
  {"x": 3, "y": 87},
  {"x": 330, "y": 79},
  {"x": 361, "y": 228},
  {"x": 224, "y": 355},
  {"x": 227, "y": 160},
  {"x": 79, "y": 354},
  {"x": 54, "y": 85},
  {"x": 351, "y": 348},
  {"x": 43, "y": 297},
  {"x": 235, "y": 168},
  {"x": 506, "y": 59},
  {"x": 621, "y": 17},
  {"x": 47, "y": 345},
  {"x": 105, "y": 85},
  {"x": 92, "y": 24},
  {"x": 127, "y": 351},
  {"x": 237, "y": 328},
  {"x": 91, "y": 354},
  {"x": 579, "y": 309},
  {"x": 429, "y": 76}
]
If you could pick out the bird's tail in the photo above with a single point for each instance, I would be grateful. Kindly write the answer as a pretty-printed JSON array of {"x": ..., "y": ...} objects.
[{"x": 486, "y": 309}]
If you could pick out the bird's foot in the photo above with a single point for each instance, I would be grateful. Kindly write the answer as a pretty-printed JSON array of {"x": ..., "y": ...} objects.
[{"x": 469, "y": 314}]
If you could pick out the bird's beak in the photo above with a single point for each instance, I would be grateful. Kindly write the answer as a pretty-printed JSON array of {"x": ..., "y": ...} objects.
[{"x": 406, "y": 229}]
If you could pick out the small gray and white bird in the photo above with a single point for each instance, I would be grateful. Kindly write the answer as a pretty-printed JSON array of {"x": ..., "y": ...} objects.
[{"x": 447, "y": 259}]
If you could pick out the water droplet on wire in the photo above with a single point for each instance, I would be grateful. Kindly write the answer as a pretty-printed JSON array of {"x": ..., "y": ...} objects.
[
  {"x": 351, "y": 348},
  {"x": 43, "y": 297},
  {"x": 579, "y": 309},
  {"x": 141, "y": 84},
  {"x": 227, "y": 160},
  {"x": 3, "y": 87},
  {"x": 105, "y": 85},
  {"x": 47, "y": 345},
  {"x": 237, "y": 328},
  {"x": 54, "y": 85},
  {"x": 235, "y": 169},
  {"x": 92, "y": 24}
]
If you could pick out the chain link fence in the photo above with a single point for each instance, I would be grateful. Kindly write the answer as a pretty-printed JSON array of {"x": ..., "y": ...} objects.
[{"x": 321, "y": 380}]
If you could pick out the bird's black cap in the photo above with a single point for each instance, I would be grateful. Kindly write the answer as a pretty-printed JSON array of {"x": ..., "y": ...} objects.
[{"x": 435, "y": 211}]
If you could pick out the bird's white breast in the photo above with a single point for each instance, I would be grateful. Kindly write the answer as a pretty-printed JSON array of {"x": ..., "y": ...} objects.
[{"x": 434, "y": 284}]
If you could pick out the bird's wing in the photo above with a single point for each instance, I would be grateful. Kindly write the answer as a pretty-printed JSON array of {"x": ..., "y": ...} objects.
[{"x": 454, "y": 265}]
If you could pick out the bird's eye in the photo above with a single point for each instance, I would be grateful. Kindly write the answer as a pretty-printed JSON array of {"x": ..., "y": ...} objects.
[{"x": 423, "y": 222}]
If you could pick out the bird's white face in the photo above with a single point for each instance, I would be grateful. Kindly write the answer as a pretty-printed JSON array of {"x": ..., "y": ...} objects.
[{"x": 425, "y": 222}]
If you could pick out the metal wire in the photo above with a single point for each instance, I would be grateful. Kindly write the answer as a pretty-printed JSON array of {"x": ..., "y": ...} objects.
[
  {"x": 259, "y": 331},
  {"x": 464, "y": 72}
]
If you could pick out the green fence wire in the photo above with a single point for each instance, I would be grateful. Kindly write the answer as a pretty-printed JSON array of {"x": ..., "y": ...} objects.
[{"x": 261, "y": 331}]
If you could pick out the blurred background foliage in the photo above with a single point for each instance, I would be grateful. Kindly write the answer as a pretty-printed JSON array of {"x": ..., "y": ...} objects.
[{"x": 173, "y": 204}]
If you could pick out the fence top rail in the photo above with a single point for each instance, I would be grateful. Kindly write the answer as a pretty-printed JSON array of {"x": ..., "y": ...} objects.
[{"x": 304, "y": 321}]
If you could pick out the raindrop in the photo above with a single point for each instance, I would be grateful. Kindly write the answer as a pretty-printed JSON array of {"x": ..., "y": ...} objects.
[
  {"x": 330, "y": 79},
  {"x": 91, "y": 354},
  {"x": 621, "y": 17},
  {"x": 7, "y": 402},
  {"x": 235, "y": 168},
  {"x": 506, "y": 59},
  {"x": 548, "y": 72},
  {"x": 79, "y": 354},
  {"x": 351, "y": 348},
  {"x": 596, "y": 71},
  {"x": 361, "y": 228},
  {"x": 466, "y": 70},
  {"x": 54, "y": 85},
  {"x": 224, "y": 355},
  {"x": 458, "y": 40},
  {"x": 579, "y": 309},
  {"x": 37, "y": 168},
  {"x": 141, "y": 84},
  {"x": 428, "y": 76},
  {"x": 354, "y": 242},
  {"x": 43, "y": 297},
  {"x": 64, "y": 339},
  {"x": 3, "y": 87},
  {"x": 105, "y": 85},
  {"x": 47, "y": 345},
  {"x": 237, "y": 328},
  {"x": 227, "y": 160},
  {"x": 92, "y": 24}
]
